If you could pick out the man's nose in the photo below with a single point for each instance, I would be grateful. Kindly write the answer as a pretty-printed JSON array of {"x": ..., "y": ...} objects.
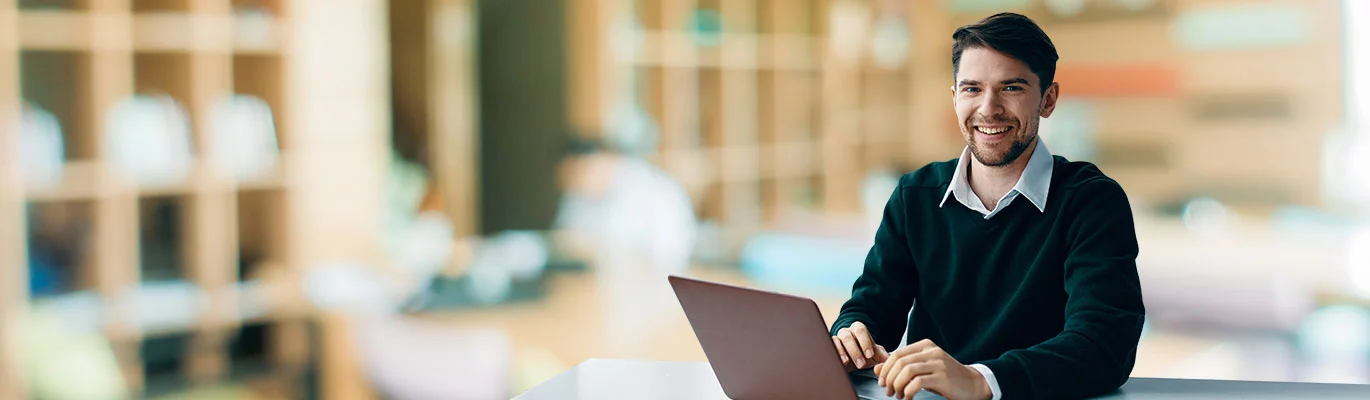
[{"x": 991, "y": 104}]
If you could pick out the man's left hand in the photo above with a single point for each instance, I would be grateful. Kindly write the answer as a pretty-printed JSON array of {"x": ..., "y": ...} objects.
[{"x": 923, "y": 365}]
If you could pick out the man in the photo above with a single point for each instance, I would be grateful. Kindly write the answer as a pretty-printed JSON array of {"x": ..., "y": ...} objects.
[
  {"x": 1022, "y": 265},
  {"x": 622, "y": 211},
  {"x": 634, "y": 223}
]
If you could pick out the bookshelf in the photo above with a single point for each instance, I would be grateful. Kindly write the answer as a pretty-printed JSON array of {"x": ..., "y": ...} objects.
[
  {"x": 776, "y": 113},
  {"x": 1174, "y": 119},
  {"x": 786, "y": 108},
  {"x": 236, "y": 248}
]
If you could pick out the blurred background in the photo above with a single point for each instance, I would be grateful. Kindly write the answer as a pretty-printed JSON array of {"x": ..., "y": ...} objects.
[{"x": 416, "y": 199}]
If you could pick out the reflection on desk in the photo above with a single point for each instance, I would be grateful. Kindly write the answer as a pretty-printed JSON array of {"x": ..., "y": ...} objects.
[
  {"x": 667, "y": 380},
  {"x": 625, "y": 379}
]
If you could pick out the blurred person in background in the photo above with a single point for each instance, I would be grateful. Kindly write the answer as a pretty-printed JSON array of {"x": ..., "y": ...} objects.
[
  {"x": 634, "y": 223},
  {"x": 1023, "y": 265},
  {"x": 619, "y": 210}
]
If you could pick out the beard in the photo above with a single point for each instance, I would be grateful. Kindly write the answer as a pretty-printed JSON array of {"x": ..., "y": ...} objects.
[
  {"x": 989, "y": 157},
  {"x": 992, "y": 159}
]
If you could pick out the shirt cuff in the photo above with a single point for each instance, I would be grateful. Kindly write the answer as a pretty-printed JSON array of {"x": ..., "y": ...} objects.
[{"x": 989, "y": 378}]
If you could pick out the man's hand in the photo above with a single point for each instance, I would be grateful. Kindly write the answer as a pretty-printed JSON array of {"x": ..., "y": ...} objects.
[
  {"x": 857, "y": 349},
  {"x": 923, "y": 365}
]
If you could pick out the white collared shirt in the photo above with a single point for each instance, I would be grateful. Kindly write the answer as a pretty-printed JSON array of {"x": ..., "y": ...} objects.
[{"x": 1033, "y": 184}]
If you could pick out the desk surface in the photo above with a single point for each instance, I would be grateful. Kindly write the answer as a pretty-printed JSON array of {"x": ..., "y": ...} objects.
[{"x": 668, "y": 380}]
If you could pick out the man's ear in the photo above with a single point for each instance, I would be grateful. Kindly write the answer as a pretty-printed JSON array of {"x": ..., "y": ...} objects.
[{"x": 1049, "y": 99}]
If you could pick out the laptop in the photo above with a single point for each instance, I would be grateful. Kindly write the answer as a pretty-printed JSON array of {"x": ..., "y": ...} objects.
[{"x": 768, "y": 345}]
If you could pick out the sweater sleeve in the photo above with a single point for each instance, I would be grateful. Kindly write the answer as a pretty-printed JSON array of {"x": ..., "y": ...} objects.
[
  {"x": 884, "y": 293},
  {"x": 1095, "y": 352}
]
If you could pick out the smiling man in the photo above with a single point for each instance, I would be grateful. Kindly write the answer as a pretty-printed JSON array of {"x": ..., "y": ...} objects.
[{"x": 1022, "y": 265}]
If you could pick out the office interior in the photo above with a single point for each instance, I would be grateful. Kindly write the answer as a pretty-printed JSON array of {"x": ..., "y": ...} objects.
[{"x": 364, "y": 199}]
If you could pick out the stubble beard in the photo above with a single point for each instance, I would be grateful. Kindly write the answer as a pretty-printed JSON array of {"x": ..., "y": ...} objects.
[{"x": 1014, "y": 151}]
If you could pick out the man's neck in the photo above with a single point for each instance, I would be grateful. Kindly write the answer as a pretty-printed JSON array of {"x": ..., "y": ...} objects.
[{"x": 991, "y": 183}]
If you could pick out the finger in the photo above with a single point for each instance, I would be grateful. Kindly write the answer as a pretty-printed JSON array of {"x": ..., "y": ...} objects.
[
  {"x": 841, "y": 352},
  {"x": 913, "y": 387},
  {"x": 863, "y": 337},
  {"x": 880, "y": 354},
  {"x": 853, "y": 349},
  {"x": 910, "y": 372},
  {"x": 850, "y": 348},
  {"x": 890, "y": 363},
  {"x": 915, "y": 347},
  {"x": 892, "y": 369},
  {"x": 877, "y": 370},
  {"x": 893, "y": 387},
  {"x": 927, "y": 354}
]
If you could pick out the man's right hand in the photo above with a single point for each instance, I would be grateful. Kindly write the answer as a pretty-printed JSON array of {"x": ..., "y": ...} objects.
[{"x": 857, "y": 349}]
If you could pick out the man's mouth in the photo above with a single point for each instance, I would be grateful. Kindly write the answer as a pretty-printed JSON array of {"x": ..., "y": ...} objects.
[{"x": 993, "y": 130}]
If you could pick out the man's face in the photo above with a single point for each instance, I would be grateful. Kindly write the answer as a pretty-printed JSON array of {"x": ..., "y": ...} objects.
[
  {"x": 999, "y": 103},
  {"x": 586, "y": 175}
]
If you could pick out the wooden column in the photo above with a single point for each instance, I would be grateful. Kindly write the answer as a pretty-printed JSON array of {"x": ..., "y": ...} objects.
[
  {"x": 115, "y": 263},
  {"x": 455, "y": 145},
  {"x": 212, "y": 245},
  {"x": 679, "y": 94},
  {"x": 14, "y": 278},
  {"x": 841, "y": 127},
  {"x": 337, "y": 88},
  {"x": 740, "y": 154}
]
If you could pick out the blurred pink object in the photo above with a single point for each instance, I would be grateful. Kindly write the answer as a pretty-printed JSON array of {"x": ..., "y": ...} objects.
[{"x": 410, "y": 358}]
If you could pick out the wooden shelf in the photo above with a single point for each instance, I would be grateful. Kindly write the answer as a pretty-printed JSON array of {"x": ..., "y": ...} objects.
[
  {"x": 87, "y": 309},
  {"x": 747, "y": 120},
  {"x": 770, "y": 76},
  {"x": 677, "y": 49},
  {"x": 87, "y": 180},
  {"x": 79, "y": 179},
  {"x": 161, "y": 31},
  {"x": 274, "y": 180},
  {"x": 76, "y": 59},
  {"x": 175, "y": 31},
  {"x": 257, "y": 35},
  {"x": 253, "y": 301},
  {"x": 55, "y": 30},
  {"x": 794, "y": 159},
  {"x": 186, "y": 187}
]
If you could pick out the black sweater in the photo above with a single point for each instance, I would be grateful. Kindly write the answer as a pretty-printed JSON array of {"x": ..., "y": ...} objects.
[{"x": 1049, "y": 301}]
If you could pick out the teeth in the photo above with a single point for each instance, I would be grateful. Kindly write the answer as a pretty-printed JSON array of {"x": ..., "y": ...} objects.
[{"x": 992, "y": 131}]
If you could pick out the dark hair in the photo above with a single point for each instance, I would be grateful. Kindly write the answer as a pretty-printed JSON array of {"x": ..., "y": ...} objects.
[
  {"x": 577, "y": 146},
  {"x": 1011, "y": 34}
]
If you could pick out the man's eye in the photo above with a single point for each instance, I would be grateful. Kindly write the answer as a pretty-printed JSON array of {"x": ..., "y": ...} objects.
[
  {"x": 1013, "y": 89},
  {"x": 970, "y": 89}
]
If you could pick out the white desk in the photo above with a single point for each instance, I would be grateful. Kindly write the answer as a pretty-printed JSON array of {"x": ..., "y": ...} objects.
[{"x": 669, "y": 380}]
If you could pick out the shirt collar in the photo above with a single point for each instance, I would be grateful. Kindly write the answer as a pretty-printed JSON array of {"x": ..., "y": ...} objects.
[{"x": 1034, "y": 183}]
